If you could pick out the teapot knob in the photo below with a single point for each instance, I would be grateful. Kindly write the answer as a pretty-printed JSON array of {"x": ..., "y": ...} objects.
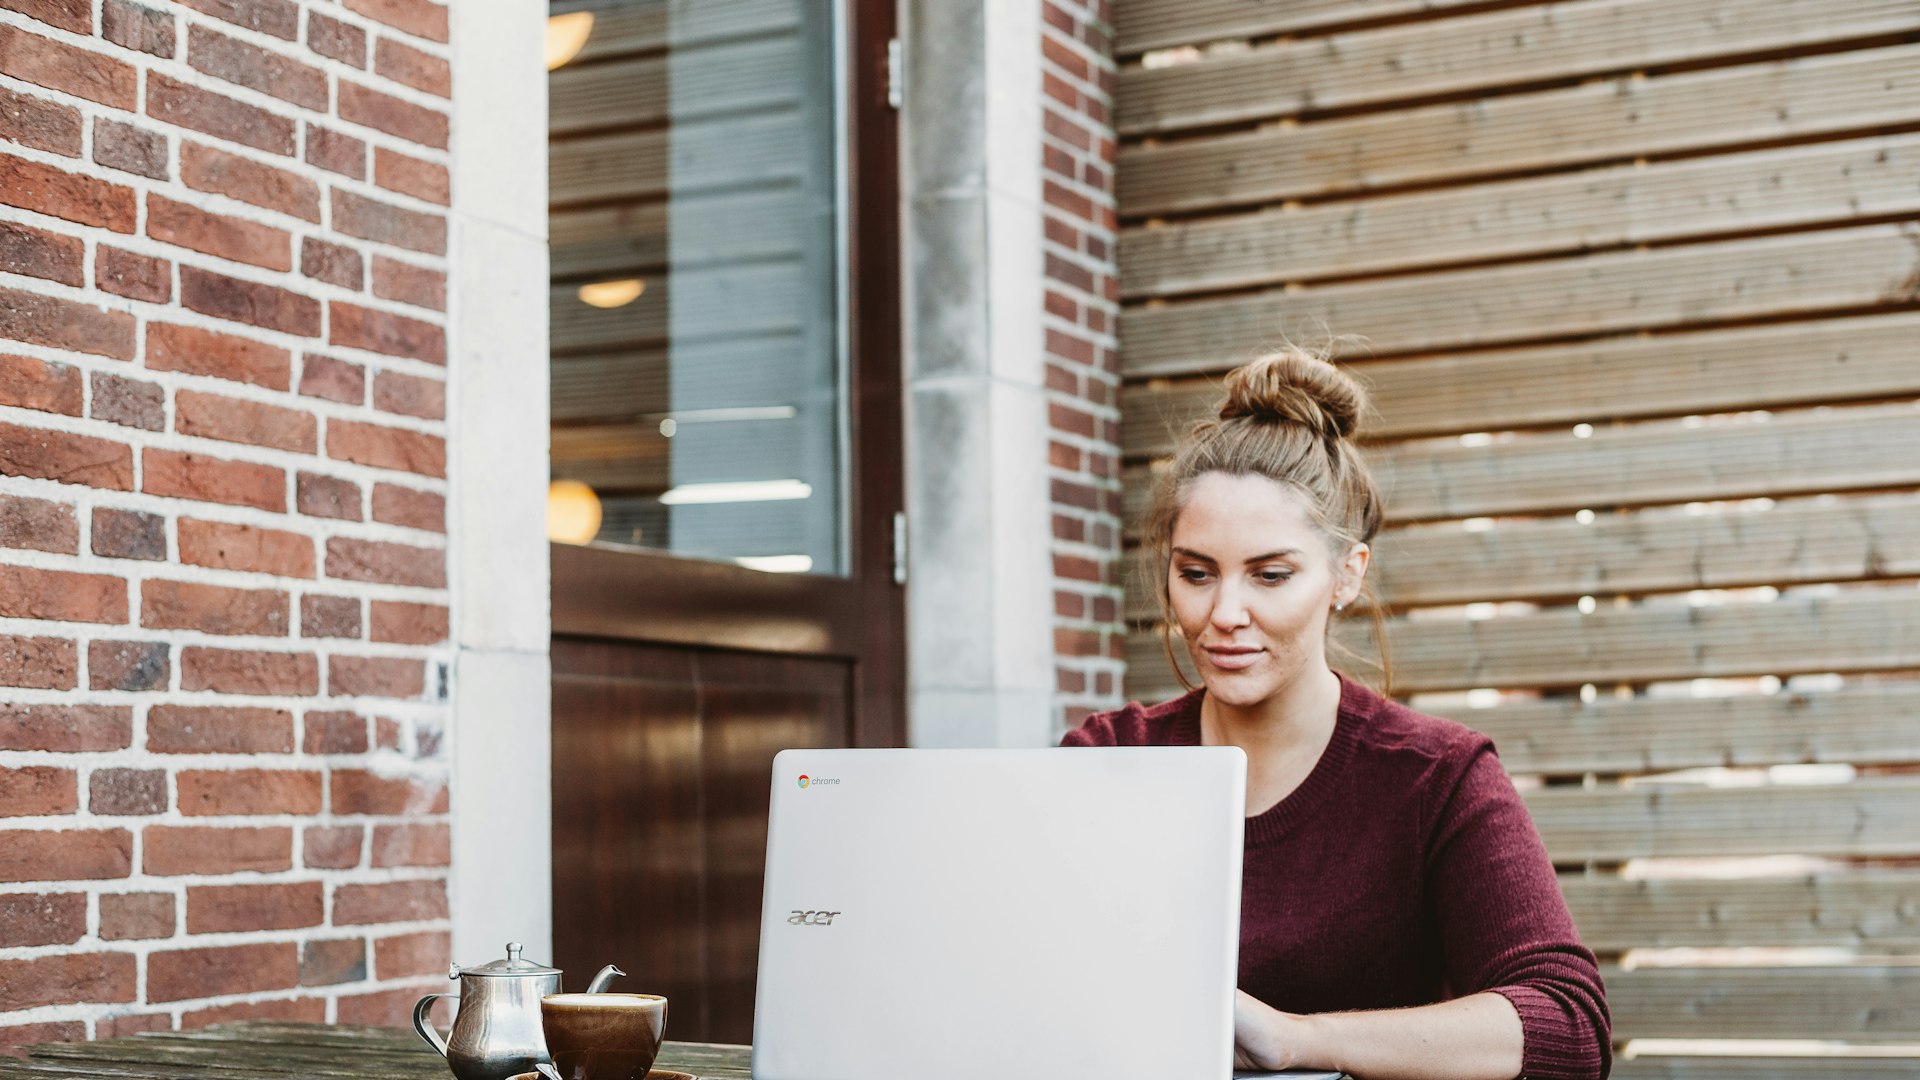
[
  {"x": 453, "y": 971},
  {"x": 513, "y": 953}
]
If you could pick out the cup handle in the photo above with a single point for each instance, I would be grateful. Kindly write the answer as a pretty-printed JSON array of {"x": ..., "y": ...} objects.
[{"x": 425, "y": 1026}]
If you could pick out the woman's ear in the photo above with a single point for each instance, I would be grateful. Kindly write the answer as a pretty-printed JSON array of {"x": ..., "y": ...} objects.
[{"x": 1353, "y": 572}]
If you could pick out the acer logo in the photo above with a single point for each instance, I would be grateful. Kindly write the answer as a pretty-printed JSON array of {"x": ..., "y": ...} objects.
[{"x": 811, "y": 918}]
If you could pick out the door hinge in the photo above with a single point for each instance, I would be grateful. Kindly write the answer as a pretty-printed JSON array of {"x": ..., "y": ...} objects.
[
  {"x": 896, "y": 73},
  {"x": 900, "y": 547}
]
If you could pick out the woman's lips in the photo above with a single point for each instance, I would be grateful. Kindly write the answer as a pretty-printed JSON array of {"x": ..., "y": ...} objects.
[{"x": 1233, "y": 658}]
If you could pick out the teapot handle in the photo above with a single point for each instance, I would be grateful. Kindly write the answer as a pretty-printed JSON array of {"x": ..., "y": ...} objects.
[{"x": 425, "y": 1026}]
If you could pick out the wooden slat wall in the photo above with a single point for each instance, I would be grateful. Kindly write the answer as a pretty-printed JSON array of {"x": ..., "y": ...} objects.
[{"x": 1638, "y": 288}]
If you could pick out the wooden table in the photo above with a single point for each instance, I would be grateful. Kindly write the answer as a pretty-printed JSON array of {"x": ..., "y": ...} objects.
[{"x": 274, "y": 1051}]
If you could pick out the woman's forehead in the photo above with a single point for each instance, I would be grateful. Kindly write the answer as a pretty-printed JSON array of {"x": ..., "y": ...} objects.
[{"x": 1244, "y": 513}]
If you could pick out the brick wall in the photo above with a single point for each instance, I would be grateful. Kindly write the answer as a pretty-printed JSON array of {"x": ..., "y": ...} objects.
[
  {"x": 1083, "y": 382},
  {"x": 223, "y": 606}
]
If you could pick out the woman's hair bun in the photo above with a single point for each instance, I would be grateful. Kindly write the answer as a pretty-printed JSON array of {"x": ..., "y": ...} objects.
[{"x": 1297, "y": 385}]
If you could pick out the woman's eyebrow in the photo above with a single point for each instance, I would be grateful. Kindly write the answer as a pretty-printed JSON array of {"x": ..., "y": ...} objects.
[
  {"x": 1284, "y": 553},
  {"x": 1192, "y": 554}
]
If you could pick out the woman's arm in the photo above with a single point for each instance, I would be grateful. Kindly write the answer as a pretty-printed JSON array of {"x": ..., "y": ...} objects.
[{"x": 1476, "y": 1037}]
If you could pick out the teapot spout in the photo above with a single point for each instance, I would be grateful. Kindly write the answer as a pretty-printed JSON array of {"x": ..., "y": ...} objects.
[{"x": 603, "y": 978}]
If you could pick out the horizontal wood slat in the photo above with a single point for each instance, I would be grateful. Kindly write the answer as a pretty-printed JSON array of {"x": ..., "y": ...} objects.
[
  {"x": 1865, "y": 1004},
  {"x": 1875, "y": 630},
  {"x": 1703, "y": 1067},
  {"x": 1862, "y": 725},
  {"x": 1816, "y": 451},
  {"x": 1140, "y": 25},
  {"x": 1610, "y": 207},
  {"x": 695, "y": 304},
  {"x": 1535, "y": 43},
  {"x": 687, "y": 232},
  {"x": 752, "y": 75},
  {"x": 1599, "y": 121},
  {"x": 760, "y": 152},
  {"x": 1874, "y": 909},
  {"x": 622, "y": 27},
  {"x": 1759, "y": 367},
  {"x": 753, "y": 372},
  {"x": 1869, "y": 817},
  {"x": 1806, "y": 273}
]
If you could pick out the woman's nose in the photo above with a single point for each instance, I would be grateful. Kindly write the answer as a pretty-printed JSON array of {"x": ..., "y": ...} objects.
[{"x": 1229, "y": 610}]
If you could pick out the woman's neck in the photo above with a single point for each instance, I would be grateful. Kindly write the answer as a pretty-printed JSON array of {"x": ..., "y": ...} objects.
[{"x": 1301, "y": 714}]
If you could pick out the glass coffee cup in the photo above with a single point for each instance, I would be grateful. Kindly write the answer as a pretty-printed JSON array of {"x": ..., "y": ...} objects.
[{"x": 603, "y": 1036}]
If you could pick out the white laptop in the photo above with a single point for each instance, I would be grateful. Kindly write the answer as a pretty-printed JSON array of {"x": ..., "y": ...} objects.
[{"x": 1014, "y": 914}]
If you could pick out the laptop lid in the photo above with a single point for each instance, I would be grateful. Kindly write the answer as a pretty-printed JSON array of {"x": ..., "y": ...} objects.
[{"x": 957, "y": 914}]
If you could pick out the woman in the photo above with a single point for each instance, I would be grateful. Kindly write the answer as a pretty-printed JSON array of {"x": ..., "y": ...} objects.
[{"x": 1399, "y": 916}]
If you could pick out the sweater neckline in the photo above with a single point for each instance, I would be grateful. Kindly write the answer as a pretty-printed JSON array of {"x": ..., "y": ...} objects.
[{"x": 1357, "y": 704}]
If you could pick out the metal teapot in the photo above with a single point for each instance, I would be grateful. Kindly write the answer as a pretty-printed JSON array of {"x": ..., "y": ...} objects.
[{"x": 497, "y": 1032}]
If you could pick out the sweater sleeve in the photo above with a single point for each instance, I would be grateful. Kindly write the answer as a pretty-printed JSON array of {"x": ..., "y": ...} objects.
[{"x": 1504, "y": 925}]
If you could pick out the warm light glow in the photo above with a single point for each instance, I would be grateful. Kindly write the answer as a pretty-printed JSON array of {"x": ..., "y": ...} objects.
[
  {"x": 777, "y": 564},
  {"x": 573, "y": 512},
  {"x": 612, "y": 294},
  {"x": 737, "y": 491},
  {"x": 566, "y": 36}
]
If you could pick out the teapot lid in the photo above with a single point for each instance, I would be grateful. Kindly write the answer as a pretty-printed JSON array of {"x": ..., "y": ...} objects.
[{"x": 512, "y": 965}]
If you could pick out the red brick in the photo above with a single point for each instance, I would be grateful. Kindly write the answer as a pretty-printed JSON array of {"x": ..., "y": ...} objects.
[
  {"x": 28, "y": 919},
  {"x": 409, "y": 284},
  {"x": 39, "y": 253},
  {"x": 334, "y": 732},
  {"x": 386, "y": 733},
  {"x": 27, "y": 593},
  {"x": 197, "y": 476},
  {"x": 281, "y": 1010},
  {"x": 328, "y": 497},
  {"x": 177, "y": 974},
  {"x": 136, "y": 916},
  {"x": 127, "y": 792},
  {"x": 413, "y": 844},
  {"x": 424, "y": 953},
  {"x": 26, "y": 383},
  {"x": 64, "y": 855},
  {"x": 384, "y": 112},
  {"x": 65, "y": 324},
  {"x": 66, "y": 979},
  {"x": 38, "y": 663},
  {"x": 38, "y": 525},
  {"x": 395, "y": 564},
  {"x": 15, "y": 1038},
  {"x": 136, "y": 277},
  {"x": 249, "y": 302},
  {"x": 172, "y": 850},
  {"x": 409, "y": 66},
  {"x": 239, "y": 671},
  {"x": 406, "y": 624},
  {"x": 411, "y": 176},
  {"x": 421, "y": 18},
  {"x": 329, "y": 616},
  {"x": 256, "y": 68},
  {"x": 59, "y": 66},
  {"x": 39, "y": 791},
  {"x": 332, "y": 847},
  {"x": 215, "y": 416},
  {"x": 334, "y": 380},
  {"x": 69, "y": 459},
  {"x": 356, "y": 791},
  {"x": 43, "y": 125},
  {"x": 336, "y": 40},
  {"x": 387, "y": 448},
  {"x": 128, "y": 665},
  {"x": 222, "y": 793},
  {"x": 221, "y": 909},
  {"x": 141, "y": 28},
  {"x": 216, "y": 234},
  {"x": 278, "y": 18},
  {"x": 335, "y": 264},
  {"x": 123, "y": 1027},
  {"x": 204, "y": 168},
  {"x": 65, "y": 728},
  {"x": 375, "y": 676},
  {"x": 74, "y": 15},
  {"x": 213, "y": 729},
  {"x": 129, "y": 534},
  {"x": 396, "y": 505},
  {"x": 327, "y": 963},
  {"x": 222, "y": 356},
  {"x": 395, "y": 335},
  {"x": 31, "y": 185},
  {"x": 247, "y": 548},
  {"x": 336, "y": 152},
  {"x": 397, "y": 901},
  {"x": 217, "y": 115},
  {"x": 370, "y": 219}
]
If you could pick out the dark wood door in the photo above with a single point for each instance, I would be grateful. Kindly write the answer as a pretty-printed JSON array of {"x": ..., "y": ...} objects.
[{"x": 676, "y": 680}]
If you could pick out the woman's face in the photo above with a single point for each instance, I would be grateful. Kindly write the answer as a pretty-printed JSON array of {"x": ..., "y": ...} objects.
[{"x": 1251, "y": 581}]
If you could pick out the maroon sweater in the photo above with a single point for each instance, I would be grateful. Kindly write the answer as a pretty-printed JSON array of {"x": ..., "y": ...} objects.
[{"x": 1403, "y": 871}]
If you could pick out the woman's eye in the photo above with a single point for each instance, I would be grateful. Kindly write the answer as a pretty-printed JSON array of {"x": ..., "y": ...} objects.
[
  {"x": 1273, "y": 577},
  {"x": 1193, "y": 575}
]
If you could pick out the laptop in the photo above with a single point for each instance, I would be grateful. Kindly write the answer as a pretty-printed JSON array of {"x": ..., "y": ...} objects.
[{"x": 1015, "y": 914}]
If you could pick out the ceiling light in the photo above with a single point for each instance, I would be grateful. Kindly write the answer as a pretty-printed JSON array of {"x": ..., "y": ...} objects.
[
  {"x": 566, "y": 36},
  {"x": 573, "y": 512},
  {"x": 612, "y": 294},
  {"x": 736, "y": 491},
  {"x": 777, "y": 564}
]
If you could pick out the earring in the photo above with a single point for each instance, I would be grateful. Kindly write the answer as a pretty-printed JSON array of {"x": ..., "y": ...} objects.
[{"x": 1341, "y": 606}]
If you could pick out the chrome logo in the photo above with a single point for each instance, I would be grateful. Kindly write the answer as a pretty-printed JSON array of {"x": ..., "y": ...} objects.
[{"x": 803, "y": 780}]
